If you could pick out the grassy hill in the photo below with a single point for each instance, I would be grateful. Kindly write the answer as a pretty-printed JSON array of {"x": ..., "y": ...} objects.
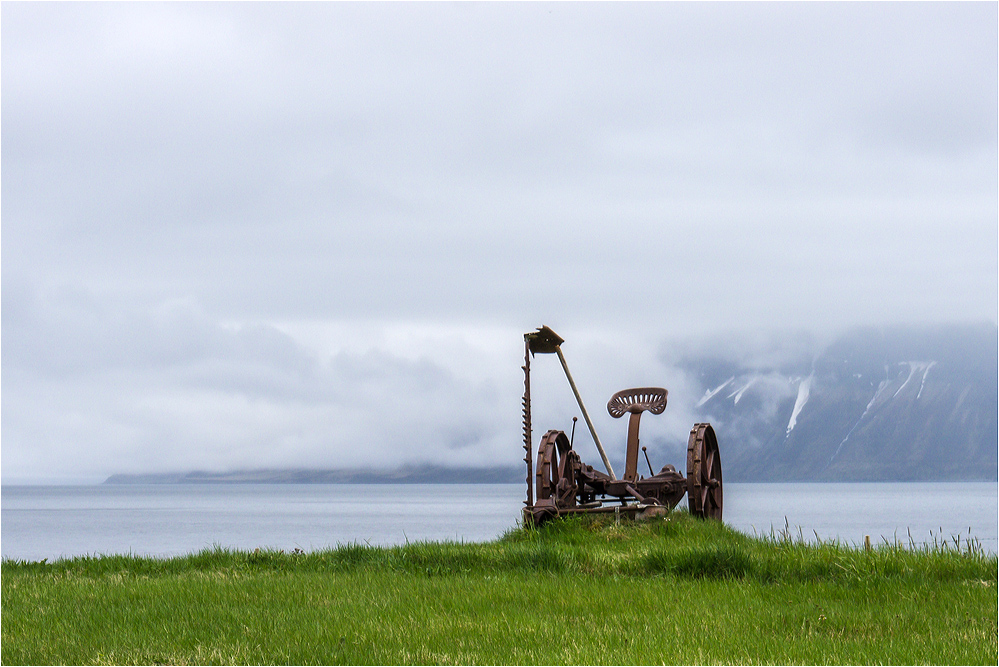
[{"x": 674, "y": 590}]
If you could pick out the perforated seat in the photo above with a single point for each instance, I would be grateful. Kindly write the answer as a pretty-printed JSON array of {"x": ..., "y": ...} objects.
[{"x": 635, "y": 401}]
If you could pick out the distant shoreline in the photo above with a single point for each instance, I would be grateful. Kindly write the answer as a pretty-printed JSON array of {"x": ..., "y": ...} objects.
[
  {"x": 421, "y": 475},
  {"x": 415, "y": 475}
]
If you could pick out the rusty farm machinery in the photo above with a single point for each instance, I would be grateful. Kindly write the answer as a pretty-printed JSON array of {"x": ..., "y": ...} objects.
[{"x": 561, "y": 484}]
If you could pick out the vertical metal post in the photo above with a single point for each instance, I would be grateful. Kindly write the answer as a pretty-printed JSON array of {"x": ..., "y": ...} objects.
[
  {"x": 527, "y": 423},
  {"x": 586, "y": 415},
  {"x": 631, "y": 457}
]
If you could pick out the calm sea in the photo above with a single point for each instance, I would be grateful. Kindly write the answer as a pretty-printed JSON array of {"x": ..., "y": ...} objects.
[{"x": 167, "y": 519}]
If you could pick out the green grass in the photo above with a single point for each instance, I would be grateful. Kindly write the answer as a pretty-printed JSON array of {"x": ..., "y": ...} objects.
[{"x": 577, "y": 591}]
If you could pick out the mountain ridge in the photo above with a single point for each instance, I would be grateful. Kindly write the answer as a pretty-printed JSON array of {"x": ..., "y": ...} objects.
[{"x": 903, "y": 404}]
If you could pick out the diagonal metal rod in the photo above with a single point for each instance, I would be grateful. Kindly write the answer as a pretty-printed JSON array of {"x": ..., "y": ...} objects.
[{"x": 586, "y": 416}]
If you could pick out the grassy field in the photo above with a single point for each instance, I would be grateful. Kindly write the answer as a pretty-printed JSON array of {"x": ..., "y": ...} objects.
[{"x": 576, "y": 592}]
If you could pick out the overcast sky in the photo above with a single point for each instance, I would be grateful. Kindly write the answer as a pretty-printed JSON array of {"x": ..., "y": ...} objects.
[{"x": 243, "y": 235}]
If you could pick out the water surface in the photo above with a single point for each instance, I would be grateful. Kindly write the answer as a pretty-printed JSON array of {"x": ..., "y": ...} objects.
[{"x": 174, "y": 519}]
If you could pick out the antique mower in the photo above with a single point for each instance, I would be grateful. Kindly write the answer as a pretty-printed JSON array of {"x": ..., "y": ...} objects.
[{"x": 561, "y": 484}]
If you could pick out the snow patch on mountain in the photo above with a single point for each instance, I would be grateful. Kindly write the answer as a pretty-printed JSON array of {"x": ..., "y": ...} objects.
[
  {"x": 737, "y": 394},
  {"x": 915, "y": 367},
  {"x": 926, "y": 369},
  {"x": 877, "y": 394},
  {"x": 804, "y": 389},
  {"x": 709, "y": 394}
]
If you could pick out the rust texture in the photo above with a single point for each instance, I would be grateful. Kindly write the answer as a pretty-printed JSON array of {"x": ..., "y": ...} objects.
[
  {"x": 527, "y": 420},
  {"x": 563, "y": 484}
]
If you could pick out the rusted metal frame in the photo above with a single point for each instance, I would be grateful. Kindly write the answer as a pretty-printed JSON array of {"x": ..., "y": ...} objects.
[
  {"x": 565, "y": 485},
  {"x": 633, "y": 492},
  {"x": 666, "y": 488},
  {"x": 632, "y": 508},
  {"x": 667, "y": 491}
]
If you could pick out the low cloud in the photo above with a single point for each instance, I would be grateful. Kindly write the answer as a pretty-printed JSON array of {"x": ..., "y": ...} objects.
[
  {"x": 271, "y": 234},
  {"x": 104, "y": 387}
]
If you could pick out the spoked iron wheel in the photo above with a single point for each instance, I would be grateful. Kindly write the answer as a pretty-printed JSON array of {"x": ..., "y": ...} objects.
[
  {"x": 552, "y": 454},
  {"x": 704, "y": 473}
]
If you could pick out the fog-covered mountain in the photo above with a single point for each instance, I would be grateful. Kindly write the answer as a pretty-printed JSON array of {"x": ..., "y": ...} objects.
[{"x": 902, "y": 404}]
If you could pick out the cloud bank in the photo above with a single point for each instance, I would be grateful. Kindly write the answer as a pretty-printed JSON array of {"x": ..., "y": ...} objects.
[{"x": 312, "y": 234}]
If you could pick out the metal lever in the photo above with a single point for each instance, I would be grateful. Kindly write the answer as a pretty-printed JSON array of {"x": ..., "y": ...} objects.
[
  {"x": 546, "y": 341},
  {"x": 646, "y": 452}
]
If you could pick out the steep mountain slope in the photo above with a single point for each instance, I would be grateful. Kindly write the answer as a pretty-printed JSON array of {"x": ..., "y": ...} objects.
[{"x": 901, "y": 404}]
